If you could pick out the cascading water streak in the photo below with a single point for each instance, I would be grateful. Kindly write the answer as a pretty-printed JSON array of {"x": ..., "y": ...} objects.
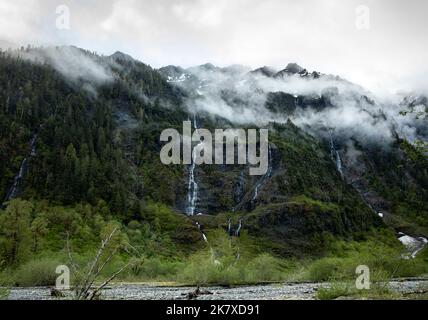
[
  {"x": 229, "y": 228},
  {"x": 268, "y": 174},
  {"x": 15, "y": 189},
  {"x": 339, "y": 163},
  {"x": 193, "y": 187},
  {"x": 204, "y": 236},
  {"x": 192, "y": 195},
  {"x": 335, "y": 156},
  {"x": 238, "y": 230}
]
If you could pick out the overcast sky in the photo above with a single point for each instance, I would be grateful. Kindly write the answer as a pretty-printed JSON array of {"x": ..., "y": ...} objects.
[{"x": 318, "y": 34}]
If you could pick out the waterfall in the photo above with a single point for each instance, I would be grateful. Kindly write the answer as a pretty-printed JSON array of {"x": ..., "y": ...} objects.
[
  {"x": 263, "y": 180},
  {"x": 259, "y": 183},
  {"x": 234, "y": 232},
  {"x": 33, "y": 145},
  {"x": 14, "y": 190},
  {"x": 237, "y": 234},
  {"x": 339, "y": 163},
  {"x": 256, "y": 191},
  {"x": 16, "y": 187},
  {"x": 335, "y": 156},
  {"x": 238, "y": 231},
  {"x": 229, "y": 228},
  {"x": 204, "y": 236},
  {"x": 239, "y": 191},
  {"x": 193, "y": 187},
  {"x": 192, "y": 195}
]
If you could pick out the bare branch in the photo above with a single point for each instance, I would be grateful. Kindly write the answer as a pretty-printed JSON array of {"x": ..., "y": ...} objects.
[
  {"x": 93, "y": 294},
  {"x": 74, "y": 266},
  {"x": 89, "y": 279},
  {"x": 101, "y": 268}
]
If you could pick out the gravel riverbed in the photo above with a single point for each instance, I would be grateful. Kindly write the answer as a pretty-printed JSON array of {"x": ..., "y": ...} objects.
[{"x": 291, "y": 291}]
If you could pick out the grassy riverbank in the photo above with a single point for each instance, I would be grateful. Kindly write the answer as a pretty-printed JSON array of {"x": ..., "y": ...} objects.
[{"x": 217, "y": 264}]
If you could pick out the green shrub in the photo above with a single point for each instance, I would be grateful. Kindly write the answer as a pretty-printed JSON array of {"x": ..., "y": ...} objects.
[
  {"x": 335, "y": 290},
  {"x": 263, "y": 268},
  {"x": 382, "y": 260},
  {"x": 205, "y": 268},
  {"x": 378, "y": 290},
  {"x": 4, "y": 293},
  {"x": 155, "y": 269},
  {"x": 326, "y": 269},
  {"x": 37, "y": 273}
]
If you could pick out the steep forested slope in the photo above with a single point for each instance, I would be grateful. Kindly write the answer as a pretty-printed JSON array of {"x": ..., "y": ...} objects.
[{"x": 86, "y": 141}]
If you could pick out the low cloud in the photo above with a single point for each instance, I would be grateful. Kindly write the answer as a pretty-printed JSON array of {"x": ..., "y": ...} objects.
[
  {"x": 352, "y": 111},
  {"x": 73, "y": 63}
]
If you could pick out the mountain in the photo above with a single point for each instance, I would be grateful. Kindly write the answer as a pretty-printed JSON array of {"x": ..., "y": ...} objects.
[
  {"x": 291, "y": 69},
  {"x": 121, "y": 57},
  {"x": 265, "y": 71},
  {"x": 81, "y": 131}
]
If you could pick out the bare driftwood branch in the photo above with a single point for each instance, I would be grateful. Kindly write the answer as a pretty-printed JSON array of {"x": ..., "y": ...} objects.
[
  {"x": 73, "y": 265},
  {"x": 101, "y": 268},
  {"x": 83, "y": 290},
  {"x": 95, "y": 292},
  {"x": 87, "y": 282}
]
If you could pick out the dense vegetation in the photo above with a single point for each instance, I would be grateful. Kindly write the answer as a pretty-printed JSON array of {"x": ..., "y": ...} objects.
[{"x": 33, "y": 243}]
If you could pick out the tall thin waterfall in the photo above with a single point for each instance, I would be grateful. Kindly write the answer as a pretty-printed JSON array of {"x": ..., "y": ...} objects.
[
  {"x": 192, "y": 194},
  {"x": 335, "y": 156},
  {"x": 263, "y": 180},
  {"x": 204, "y": 236},
  {"x": 16, "y": 187},
  {"x": 238, "y": 230},
  {"x": 229, "y": 228}
]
